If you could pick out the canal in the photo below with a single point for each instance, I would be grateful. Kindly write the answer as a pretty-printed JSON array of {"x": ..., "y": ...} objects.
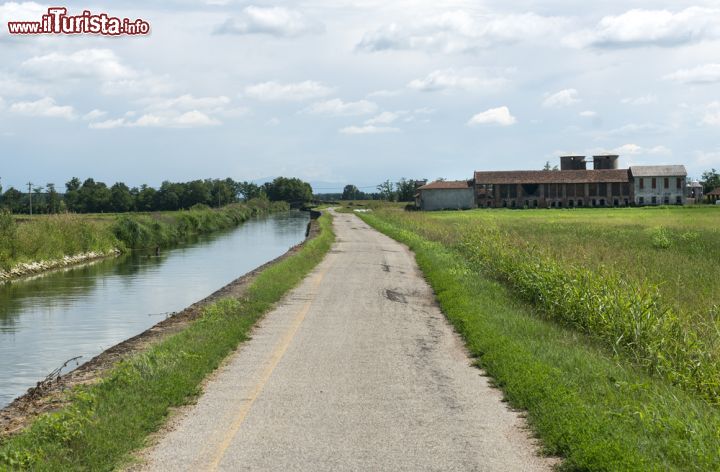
[{"x": 82, "y": 311}]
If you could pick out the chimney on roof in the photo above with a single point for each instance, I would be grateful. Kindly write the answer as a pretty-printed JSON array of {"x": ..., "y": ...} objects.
[
  {"x": 605, "y": 161},
  {"x": 572, "y": 163}
]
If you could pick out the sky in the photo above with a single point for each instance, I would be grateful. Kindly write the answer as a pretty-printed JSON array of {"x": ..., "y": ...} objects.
[{"x": 356, "y": 92}]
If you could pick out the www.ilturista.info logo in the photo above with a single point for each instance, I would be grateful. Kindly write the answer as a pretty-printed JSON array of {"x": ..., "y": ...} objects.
[{"x": 57, "y": 21}]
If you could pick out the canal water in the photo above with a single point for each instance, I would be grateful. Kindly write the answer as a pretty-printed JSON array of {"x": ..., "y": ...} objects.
[{"x": 82, "y": 311}]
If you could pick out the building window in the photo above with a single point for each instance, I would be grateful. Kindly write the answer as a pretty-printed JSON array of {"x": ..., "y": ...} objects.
[
  {"x": 654, "y": 199},
  {"x": 642, "y": 200},
  {"x": 654, "y": 182},
  {"x": 679, "y": 183},
  {"x": 666, "y": 201},
  {"x": 642, "y": 183},
  {"x": 678, "y": 199},
  {"x": 667, "y": 182}
]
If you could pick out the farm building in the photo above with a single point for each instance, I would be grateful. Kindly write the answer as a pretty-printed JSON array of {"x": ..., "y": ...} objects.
[
  {"x": 572, "y": 186},
  {"x": 446, "y": 195},
  {"x": 659, "y": 185},
  {"x": 713, "y": 196},
  {"x": 694, "y": 192}
]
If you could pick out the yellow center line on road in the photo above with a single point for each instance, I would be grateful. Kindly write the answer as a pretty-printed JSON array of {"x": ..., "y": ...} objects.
[{"x": 275, "y": 358}]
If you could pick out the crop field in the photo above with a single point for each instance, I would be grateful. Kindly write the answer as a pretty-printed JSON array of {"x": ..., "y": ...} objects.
[{"x": 643, "y": 281}]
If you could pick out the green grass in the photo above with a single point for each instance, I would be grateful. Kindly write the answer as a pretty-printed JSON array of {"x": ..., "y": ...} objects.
[
  {"x": 586, "y": 404},
  {"x": 607, "y": 273},
  {"x": 49, "y": 237},
  {"x": 105, "y": 422}
]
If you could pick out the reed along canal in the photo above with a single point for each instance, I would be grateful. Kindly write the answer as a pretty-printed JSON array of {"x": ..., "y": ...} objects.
[{"x": 82, "y": 311}]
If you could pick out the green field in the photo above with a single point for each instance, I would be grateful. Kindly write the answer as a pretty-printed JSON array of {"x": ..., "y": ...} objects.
[{"x": 602, "y": 324}]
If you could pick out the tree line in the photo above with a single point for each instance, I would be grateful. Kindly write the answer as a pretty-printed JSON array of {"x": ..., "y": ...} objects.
[
  {"x": 401, "y": 191},
  {"x": 91, "y": 196}
]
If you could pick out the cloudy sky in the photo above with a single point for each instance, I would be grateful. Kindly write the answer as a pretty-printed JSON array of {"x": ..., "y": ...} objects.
[{"x": 357, "y": 91}]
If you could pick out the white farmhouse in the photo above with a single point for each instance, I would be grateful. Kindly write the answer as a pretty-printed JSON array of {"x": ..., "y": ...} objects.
[
  {"x": 659, "y": 185},
  {"x": 446, "y": 195}
]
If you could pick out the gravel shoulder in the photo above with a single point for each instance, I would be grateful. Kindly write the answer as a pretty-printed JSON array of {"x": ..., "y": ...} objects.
[{"x": 356, "y": 369}]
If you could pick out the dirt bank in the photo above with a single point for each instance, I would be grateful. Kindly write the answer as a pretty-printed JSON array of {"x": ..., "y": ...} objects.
[
  {"x": 50, "y": 394},
  {"x": 32, "y": 268}
]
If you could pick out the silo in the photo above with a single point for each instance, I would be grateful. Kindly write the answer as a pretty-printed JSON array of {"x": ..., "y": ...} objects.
[
  {"x": 572, "y": 163},
  {"x": 605, "y": 161}
]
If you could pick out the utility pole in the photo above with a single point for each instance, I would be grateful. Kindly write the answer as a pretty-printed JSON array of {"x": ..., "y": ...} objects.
[{"x": 29, "y": 184}]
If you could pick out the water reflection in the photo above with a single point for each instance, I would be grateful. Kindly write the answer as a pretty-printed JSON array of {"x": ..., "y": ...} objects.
[{"x": 82, "y": 311}]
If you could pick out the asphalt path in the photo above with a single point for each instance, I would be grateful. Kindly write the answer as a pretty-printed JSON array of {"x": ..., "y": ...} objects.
[{"x": 356, "y": 369}]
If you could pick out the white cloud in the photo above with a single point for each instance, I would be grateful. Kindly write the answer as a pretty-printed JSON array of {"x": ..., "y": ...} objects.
[
  {"x": 460, "y": 31},
  {"x": 651, "y": 28},
  {"x": 368, "y": 129},
  {"x": 144, "y": 84},
  {"x": 563, "y": 98},
  {"x": 588, "y": 114},
  {"x": 643, "y": 100},
  {"x": 704, "y": 74},
  {"x": 708, "y": 158},
  {"x": 499, "y": 116},
  {"x": 384, "y": 118},
  {"x": 337, "y": 107},
  {"x": 712, "y": 114},
  {"x": 446, "y": 79},
  {"x": 101, "y": 66},
  {"x": 299, "y": 91},
  {"x": 94, "y": 115},
  {"x": 635, "y": 150},
  {"x": 190, "y": 119},
  {"x": 25, "y": 11},
  {"x": 634, "y": 129},
  {"x": 384, "y": 93},
  {"x": 274, "y": 21},
  {"x": 45, "y": 107},
  {"x": 13, "y": 86},
  {"x": 94, "y": 63},
  {"x": 189, "y": 102}
]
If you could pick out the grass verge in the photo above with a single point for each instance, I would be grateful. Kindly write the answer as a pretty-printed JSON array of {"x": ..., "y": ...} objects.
[
  {"x": 595, "y": 412},
  {"x": 50, "y": 237},
  {"x": 105, "y": 422}
]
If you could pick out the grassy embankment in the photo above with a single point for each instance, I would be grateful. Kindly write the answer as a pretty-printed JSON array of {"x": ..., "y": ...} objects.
[
  {"x": 50, "y": 237},
  {"x": 105, "y": 422},
  {"x": 561, "y": 309}
]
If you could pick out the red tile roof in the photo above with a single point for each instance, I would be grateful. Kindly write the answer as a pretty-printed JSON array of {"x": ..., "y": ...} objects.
[
  {"x": 446, "y": 184},
  {"x": 551, "y": 176},
  {"x": 714, "y": 192}
]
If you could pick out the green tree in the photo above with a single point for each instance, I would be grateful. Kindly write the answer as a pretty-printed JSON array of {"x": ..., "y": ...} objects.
[
  {"x": 290, "y": 190},
  {"x": 94, "y": 197},
  {"x": 710, "y": 180},
  {"x": 387, "y": 191},
  {"x": 145, "y": 199},
  {"x": 405, "y": 190},
  {"x": 72, "y": 196},
  {"x": 121, "y": 200},
  {"x": 223, "y": 192},
  {"x": 350, "y": 192},
  {"x": 13, "y": 200},
  {"x": 168, "y": 197},
  {"x": 53, "y": 198},
  {"x": 249, "y": 190}
]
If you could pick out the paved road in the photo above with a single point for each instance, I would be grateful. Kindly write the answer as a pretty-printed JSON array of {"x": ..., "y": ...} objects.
[{"x": 357, "y": 369}]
